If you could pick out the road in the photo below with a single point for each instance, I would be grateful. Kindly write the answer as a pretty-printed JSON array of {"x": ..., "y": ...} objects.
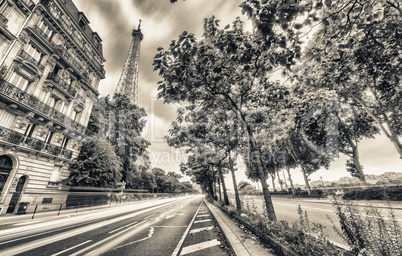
[
  {"x": 317, "y": 211},
  {"x": 155, "y": 227}
]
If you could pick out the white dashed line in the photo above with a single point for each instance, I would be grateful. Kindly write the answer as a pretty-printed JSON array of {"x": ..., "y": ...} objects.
[
  {"x": 200, "y": 229},
  {"x": 200, "y": 246},
  {"x": 78, "y": 245},
  {"x": 199, "y": 221}
]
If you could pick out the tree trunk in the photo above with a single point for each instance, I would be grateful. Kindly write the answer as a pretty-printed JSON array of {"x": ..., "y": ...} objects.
[
  {"x": 279, "y": 178},
  {"x": 225, "y": 195},
  {"x": 273, "y": 181},
  {"x": 306, "y": 179},
  {"x": 263, "y": 179},
  {"x": 211, "y": 189},
  {"x": 236, "y": 190},
  {"x": 355, "y": 154},
  {"x": 284, "y": 180},
  {"x": 252, "y": 146},
  {"x": 391, "y": 136},
  {"x": 219, "y": 187},
  {"x": 359, "y": 167},
  {"x": 291, "y": 181}
]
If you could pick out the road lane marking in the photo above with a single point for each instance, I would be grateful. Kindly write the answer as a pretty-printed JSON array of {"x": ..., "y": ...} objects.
[
  {"x": 170, "y": 226},
  {"x": 120, "y": 239},
  {"x": 201, "y": 229},
  {"x": 200, "y": 246},
  {"x": 69, "y": 249},
  {"x": 111, "y": 232},
  {"x": 150, "y": 234},
  {"x": 106, "y": 239},
  {"x": 174, "y": 214},
  {"x": 200, "y": 221},
  {"x": 55, "y": 238},
  {"x": 178, "y": 247},
  {"x": 149, "y": 216}
]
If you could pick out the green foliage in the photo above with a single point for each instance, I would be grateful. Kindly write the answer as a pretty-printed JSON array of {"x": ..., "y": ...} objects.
[
  {"x": 121, "y": 123},
  {"x": 368, "y": 232},
  {"x": 96, "y": 166},
  {"x": 375, "y": 193}
]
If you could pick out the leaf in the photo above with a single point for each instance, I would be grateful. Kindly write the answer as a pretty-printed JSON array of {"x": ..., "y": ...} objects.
[
  {"x": 159, "y": 49},
  {"x": 227, "y": 27},
  {"x": 328, "y": 3}
]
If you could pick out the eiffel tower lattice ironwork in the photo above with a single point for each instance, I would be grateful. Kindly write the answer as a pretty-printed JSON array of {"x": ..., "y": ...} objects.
[{"x": 128, "y": 82}]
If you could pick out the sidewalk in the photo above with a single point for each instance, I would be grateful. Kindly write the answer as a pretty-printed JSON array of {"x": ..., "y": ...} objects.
[{"x": 241, "y": 242}]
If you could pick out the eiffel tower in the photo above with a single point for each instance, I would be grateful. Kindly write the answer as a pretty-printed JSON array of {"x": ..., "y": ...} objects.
[{"x": 128, "y": 82}]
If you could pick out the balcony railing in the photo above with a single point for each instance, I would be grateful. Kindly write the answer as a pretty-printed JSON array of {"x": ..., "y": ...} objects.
[
  {"x": 62, "y": 84},
  {"x": 46, "y": 37},
  {"x": 56, "y": 14},
  {"x": 80, "y": 100},
  {"x": 20, "y": 97},
  {"x": 30, "y": 59},
  {"x": 3, "y": 19},
  {"x": 72, "y": 61},
  {"x": 20, "y": 139}
]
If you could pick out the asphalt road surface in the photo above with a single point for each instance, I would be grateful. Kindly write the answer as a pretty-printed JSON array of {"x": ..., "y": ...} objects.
[
  {"x": 318, "y": 211},
  {"x": 155, "y": 227}
]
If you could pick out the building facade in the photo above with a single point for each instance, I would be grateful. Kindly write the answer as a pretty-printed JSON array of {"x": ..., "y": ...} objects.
[{"x": 51, "y": 63}]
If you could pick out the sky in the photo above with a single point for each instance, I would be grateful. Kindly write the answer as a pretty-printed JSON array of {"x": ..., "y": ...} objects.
[{"x": 162, "y": 22}]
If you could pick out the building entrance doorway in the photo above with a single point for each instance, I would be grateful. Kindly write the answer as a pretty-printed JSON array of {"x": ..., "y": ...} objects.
[
  {"x": 6, "y": 165},
  {"x": 16, "y": 195}
]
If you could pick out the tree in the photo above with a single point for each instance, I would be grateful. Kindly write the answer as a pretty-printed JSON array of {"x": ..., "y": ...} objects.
[
  {"x": 227, "y": 69},
  {"x": 96, "y": 166},
  {"x": 121, "y": 122}
]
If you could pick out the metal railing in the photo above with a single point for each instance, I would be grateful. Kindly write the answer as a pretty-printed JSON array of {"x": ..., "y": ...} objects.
[
  {"x": 31, "y": 59},
  {"x": 20, "y": 139},
  {"x": 22, "y": 98},
  {"x": 62, "y": 84},
  {"x": 56, "y": 14}
]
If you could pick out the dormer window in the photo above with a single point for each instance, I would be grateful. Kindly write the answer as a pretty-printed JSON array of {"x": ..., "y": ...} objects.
[
  {"x": 96, "y": 39},
  {"x": 82, "y": 20}
]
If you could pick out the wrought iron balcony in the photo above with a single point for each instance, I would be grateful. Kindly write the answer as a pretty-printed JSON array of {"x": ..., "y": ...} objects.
[
  {"x": 61, "y": 84},
  {"x": 31, "y": 60},
  {"x": 71, "y": 61},
  {"x": 3, "y": 19},
  {"x": 20, "y": 97},
  {"x": 46, "y": 37},
  {"x": 20, "y": 139},
  {"x": 80, "y": 100},
  {"x": 68, "y": 28}
]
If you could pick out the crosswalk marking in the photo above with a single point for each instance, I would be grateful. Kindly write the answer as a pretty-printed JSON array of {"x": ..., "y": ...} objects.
[
  {"x": 201, "y": 229},
  {"x": 200, "y": 246}
]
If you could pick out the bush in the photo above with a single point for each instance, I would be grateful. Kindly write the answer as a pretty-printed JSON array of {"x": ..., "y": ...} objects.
[
  {"x": 375, "y": 193},
  {"x": 367, "y": 232}
]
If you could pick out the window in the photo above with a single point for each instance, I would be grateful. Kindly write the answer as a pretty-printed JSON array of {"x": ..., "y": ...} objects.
[
  {"x": 49, "y": 137},
  {"x": 45, "y": 29},
  {"x": 34, "y": 53},
  {"x": 4, "y": 6},
  {"x": 64, "y": 143},
  {"x": 30, "y": 129},
  {"x": 54, "y": 177},
  {"x": 19, "y": 81}
]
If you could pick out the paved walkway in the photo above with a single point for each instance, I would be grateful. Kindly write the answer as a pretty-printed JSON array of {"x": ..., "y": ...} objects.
[{"x": 242, "y": 242}]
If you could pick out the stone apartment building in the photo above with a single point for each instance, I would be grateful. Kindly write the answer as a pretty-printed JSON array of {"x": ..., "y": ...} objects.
[{"x": 51, "y": 63}]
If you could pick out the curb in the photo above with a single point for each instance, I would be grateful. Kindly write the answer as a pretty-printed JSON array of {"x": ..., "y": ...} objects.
[
  {"x": 234, "y": 243},
  {"x": 272, "y": 242}
]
